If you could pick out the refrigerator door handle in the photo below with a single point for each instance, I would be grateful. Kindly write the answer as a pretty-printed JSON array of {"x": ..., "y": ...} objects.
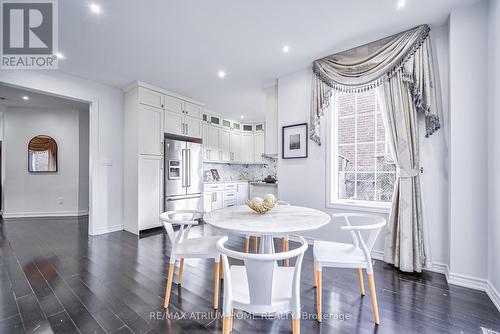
[
  {"x": 188, "y": 174},
  {"x": 183, "y": 177}
]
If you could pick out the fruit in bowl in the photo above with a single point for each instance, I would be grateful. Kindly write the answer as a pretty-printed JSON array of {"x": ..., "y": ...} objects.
[{"x": 262, "y": 205}]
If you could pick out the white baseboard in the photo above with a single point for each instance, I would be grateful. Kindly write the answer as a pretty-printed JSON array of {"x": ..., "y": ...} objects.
[
  {"x": 108, "y": 229},
  {"x": 34, "y": 214},
  {"x": 467, "y": 281},
  {"x": 493, "y": 294}
]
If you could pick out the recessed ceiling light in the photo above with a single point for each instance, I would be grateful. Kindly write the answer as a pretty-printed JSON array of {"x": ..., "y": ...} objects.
[
  {"x": 242, "y": 117},
  {"x": 401, "y": 4},
  {"x": 221, "y": 74},
  {"x": 59, "y": 55},
  {"x": 95, "y": 8},
  {"x": 286, "y": 49},
  {"x": 26, "y": 98}
]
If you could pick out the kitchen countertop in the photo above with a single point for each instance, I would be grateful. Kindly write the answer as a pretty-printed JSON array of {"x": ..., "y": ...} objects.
[
  {"x": 225, "y": 181},
  {"x": 262, "y": 183}
]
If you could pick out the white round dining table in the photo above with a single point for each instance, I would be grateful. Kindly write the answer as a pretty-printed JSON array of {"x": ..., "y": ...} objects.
[{"x": 282, "y": 220}]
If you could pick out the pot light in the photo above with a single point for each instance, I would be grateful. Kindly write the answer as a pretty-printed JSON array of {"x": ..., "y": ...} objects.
[
  {"x": 59, "y": 55},
  {"x": 95, "y": 8},
  {"x": 401, "y": 4},
  {"x": 286, "y": 49},
  {"x": 26, "y": 98},
  {"x": 221, "y": 74},
  {"x": 242, "y": 117}
]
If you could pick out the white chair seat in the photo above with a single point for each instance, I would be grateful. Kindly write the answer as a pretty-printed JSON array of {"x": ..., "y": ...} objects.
[
  {"x": 282, "y": 280},
  {"x": 338, "y": 253},
  {"x": 199, "y": 247}
]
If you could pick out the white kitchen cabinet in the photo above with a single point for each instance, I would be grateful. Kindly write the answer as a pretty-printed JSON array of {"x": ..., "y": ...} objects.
[
  {"x": 204, "y": 136},
  {"x": 214, "y": 143},
  {"x": 174, "y": 123},
  {"x": 150, "y": 191},
  {"x": 150, "y": 131},
  {"x": 173, "y": 104},
  {"x": 207, "y": 201},
  {"x": 259, "y": 149},
  {"x": 242, "y": 192},
  {"x": 225, "y": 138},
  {"x": 247, "y": 147},
  {"x": 192, "y": 127},
  {"x": 192, "y": 110},
  {"x": 213, "y": 197},
  {"x": 151, "y": 98},
  {"x": 235, "y": 146}
]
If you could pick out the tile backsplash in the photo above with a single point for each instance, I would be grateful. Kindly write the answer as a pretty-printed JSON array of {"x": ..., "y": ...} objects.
[{"x": 229, "y": 172}]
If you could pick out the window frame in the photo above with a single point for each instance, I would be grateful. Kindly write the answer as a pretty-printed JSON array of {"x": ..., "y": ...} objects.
[{"x": 332, "y": 199}]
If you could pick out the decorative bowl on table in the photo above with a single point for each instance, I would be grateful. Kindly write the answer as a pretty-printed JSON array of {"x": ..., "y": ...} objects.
[{"x": 262, "y": 205}]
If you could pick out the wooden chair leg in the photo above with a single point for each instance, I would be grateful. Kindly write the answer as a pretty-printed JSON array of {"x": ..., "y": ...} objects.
[
  {"x": 256, "y": 245},
  {"x": 284, "y": 248},
  {"x": 216, "y": 285},
  {"x": 171, "y": 268},
  {"x": 295, "y": 326},
  {"x": 247, "y": 244},
  {"x": 318, "y": 295},
  {"x": 315, "y": 277},
  {"x": 361, "y": 282},
  {"x": 226, "y": 324},
  {"x": 181, "y": 270},
  {"x": 373, "y": 296}
]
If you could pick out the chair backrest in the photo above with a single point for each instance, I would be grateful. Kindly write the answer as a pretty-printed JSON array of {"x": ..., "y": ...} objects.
[
  {"x": 260, "y": 271},
  {"x": 184, "y": 219},
  {"x": 374, "y": 227}
]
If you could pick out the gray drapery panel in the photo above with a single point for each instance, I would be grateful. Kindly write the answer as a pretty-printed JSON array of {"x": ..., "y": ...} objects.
[{"x": 369, "y": 66}]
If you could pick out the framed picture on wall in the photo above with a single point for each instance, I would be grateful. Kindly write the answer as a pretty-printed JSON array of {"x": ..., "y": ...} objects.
[{"x": 294, "y": 141}]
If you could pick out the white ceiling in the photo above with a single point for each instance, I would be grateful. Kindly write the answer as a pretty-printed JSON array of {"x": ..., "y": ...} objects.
[
  {"x": 181, "y": 45},
  {"x": 13, "y": 97}
]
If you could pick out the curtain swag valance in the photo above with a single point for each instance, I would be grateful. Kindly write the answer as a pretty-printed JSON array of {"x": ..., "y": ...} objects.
[{"x": 370, "y": 65}]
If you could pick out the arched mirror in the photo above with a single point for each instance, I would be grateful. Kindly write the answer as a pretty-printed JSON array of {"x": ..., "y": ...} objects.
[{"x": 42, "y": 154}]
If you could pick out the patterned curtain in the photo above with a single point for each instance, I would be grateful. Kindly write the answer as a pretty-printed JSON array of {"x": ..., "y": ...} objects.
[{"x": 401, "y": 67}]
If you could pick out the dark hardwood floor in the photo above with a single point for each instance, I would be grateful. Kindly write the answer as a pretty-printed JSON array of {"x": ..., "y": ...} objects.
[{"x": 55, "y": 278}]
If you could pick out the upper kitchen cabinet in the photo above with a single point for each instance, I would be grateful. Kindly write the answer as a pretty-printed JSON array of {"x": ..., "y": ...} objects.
[
  {"x": 150, "y": 131},
  {"x": 246, "y": 151},
  {"x": 259, "y": 127},
  {"x": 247, "y": 128},
  {"x": 193, "y": 110},
  {"x": 215, "y": 120},
  {"x": 150, "y": 98},
  {"x": 173, "y": 104},
  {"x": 174, "y": 122},
  {"x": 259, "y": 146}
]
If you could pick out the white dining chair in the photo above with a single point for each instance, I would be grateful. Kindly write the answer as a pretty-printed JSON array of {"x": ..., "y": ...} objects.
[
  {"x": 355, "y": 255},
  {"x": 260, "y": 286},
  {"x": 284, "y": 245},
  {"x": 184, "y": 247}
]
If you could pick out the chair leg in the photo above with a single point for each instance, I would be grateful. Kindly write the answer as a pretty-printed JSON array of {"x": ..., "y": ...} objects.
[
  {"x": 216, "y": 285},
  {"x": 247, "y": 244},
  {"x": 318, "y": 294},
  {"x": 226, "y": 324},
  {"x": 221, "y": 268},
  {"x": 315, "y": 277},
  {"x": 256, "y": 245},
  {"x": 361, "y": 282},
  {"x": 373, "y": 295},
  {"x": 284, "y": 248},
  {"x": 295, "y": 326},
  {"x": 181, "y": 270},
  {"x": 171, "y": 268}
]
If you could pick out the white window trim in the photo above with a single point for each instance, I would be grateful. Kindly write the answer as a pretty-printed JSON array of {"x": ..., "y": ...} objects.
[{"x": 332, "y": 201}]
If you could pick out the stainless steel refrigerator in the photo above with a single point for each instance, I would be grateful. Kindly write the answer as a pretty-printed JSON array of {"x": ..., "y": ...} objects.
[{"x": 183, "y": 173}]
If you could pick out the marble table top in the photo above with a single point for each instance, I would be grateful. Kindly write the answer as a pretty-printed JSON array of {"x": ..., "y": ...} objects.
[{"x": 282, "y": 219}]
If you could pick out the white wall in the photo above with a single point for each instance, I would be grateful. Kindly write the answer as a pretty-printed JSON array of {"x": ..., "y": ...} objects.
[
  {"x": 468, "y": 142},
  {"x": 303, "y": 181},
  {"x": 272, "y": 119},
  {"x": 106, "y": 135},
  {"x": 494, "y": 147},
  {"x": 37, "y": 194}
]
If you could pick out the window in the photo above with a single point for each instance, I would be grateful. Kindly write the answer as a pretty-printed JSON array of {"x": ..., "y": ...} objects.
[{"x": 362, "y": 167}]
